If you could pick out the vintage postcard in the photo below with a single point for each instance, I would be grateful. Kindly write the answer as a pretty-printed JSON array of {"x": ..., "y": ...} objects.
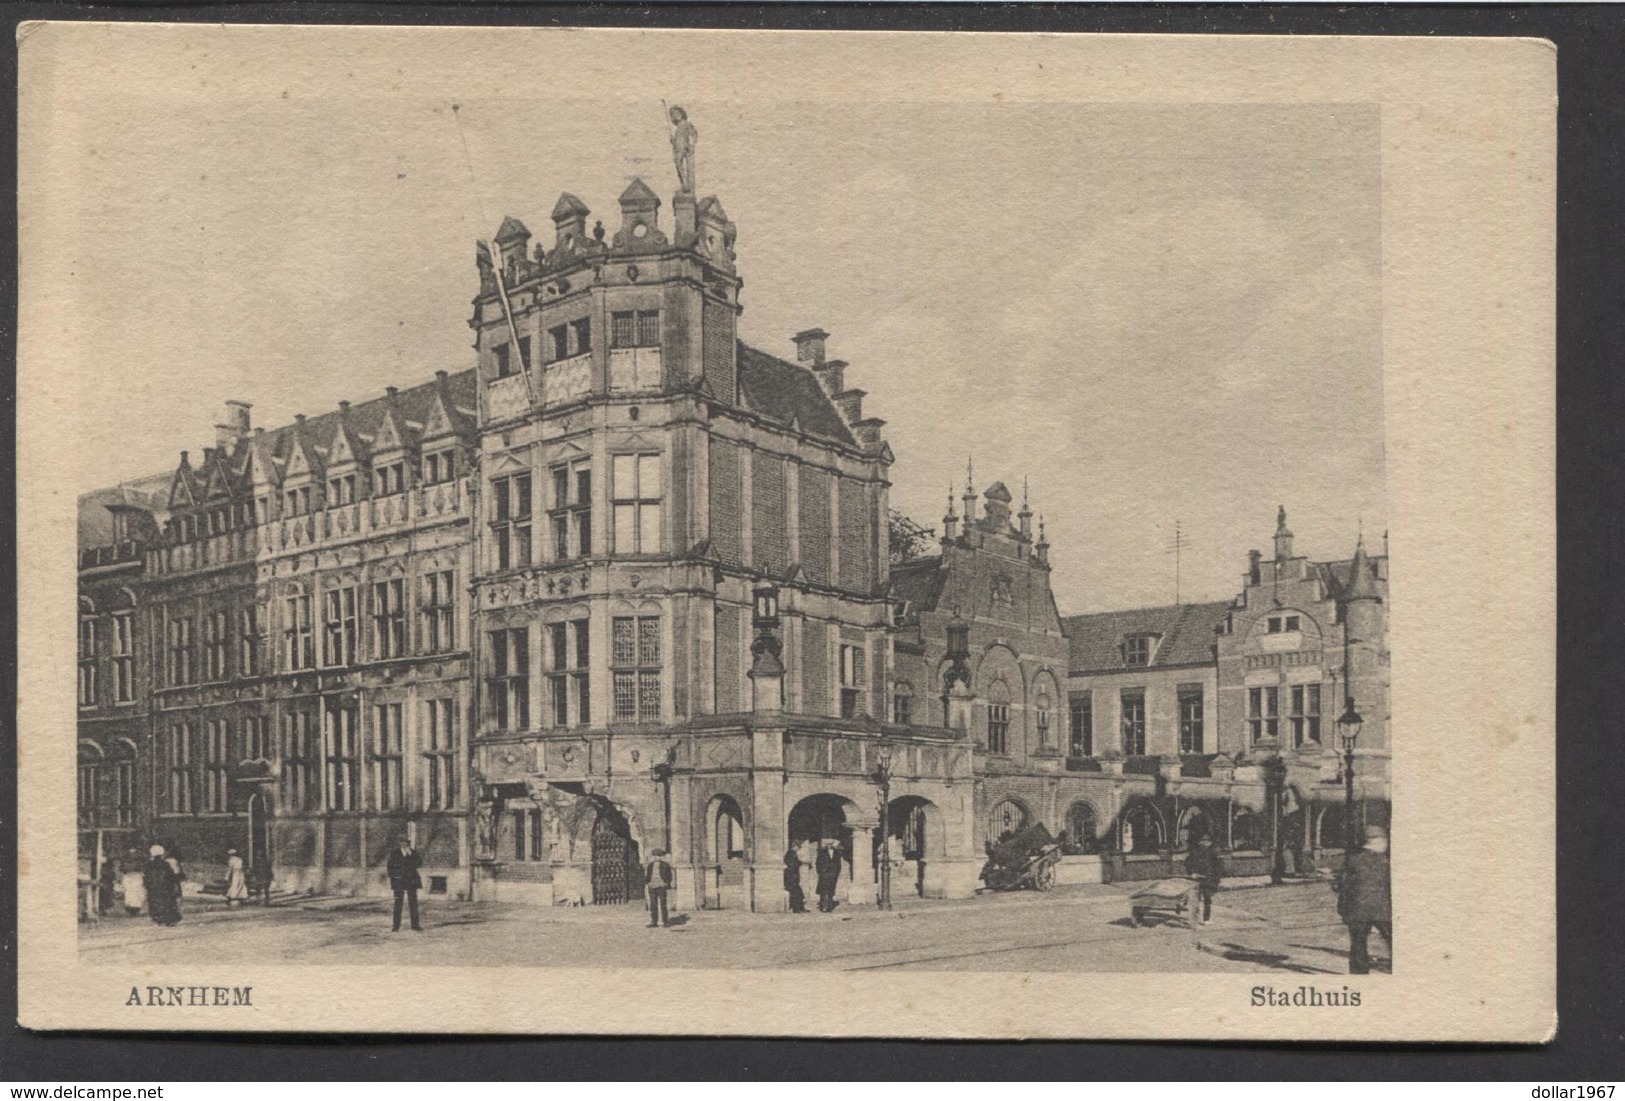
[{"x": 786, "y": 533}]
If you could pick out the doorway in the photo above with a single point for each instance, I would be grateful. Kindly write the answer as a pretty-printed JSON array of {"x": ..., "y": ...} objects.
[{"x": 617, "y": 871}]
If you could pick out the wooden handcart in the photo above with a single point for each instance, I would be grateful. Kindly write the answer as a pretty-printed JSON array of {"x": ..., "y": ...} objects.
[{"x": 1026, "y": 860}]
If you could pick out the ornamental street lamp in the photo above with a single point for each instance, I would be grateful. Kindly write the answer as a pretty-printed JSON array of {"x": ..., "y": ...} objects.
[
  {"x": 1348, "y": 732},
  {"x": 958, "y": 656},
  {"x": 766, "y": 595},
  {"x": 882, "y": 778},
  {"x": 1275, "y": 773}
]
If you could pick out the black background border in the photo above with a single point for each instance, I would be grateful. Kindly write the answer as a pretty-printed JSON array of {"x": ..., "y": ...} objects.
[{"x": 1590, "y": 1044}]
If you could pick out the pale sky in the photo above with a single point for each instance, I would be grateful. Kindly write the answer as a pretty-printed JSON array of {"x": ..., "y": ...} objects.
[{"x": 1152, "y": 311}]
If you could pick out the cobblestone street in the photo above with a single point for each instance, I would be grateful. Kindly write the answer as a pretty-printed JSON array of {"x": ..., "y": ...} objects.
[{"x": 1289, "y": 929}]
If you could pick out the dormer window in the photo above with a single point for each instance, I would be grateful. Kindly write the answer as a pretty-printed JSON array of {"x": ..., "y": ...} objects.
[
  {"x": 504, "y": 360},
  {"x": 1279, "y": 624},
  {"x": 391, "y": 479},
  {"x": 340, "y": 491},
  {"x": 1137, "y": 650},
  {"x": 439, "y": 467}
]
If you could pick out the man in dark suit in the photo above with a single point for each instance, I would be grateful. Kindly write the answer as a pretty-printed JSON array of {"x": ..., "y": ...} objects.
[
  {"x": 404, "y": 880},
  {"x": 1362, "y": 899},
  {"x": 1207, "y": 868},
  {"x": 657, "y": 880},
  {"x": 828, "y": 867}
]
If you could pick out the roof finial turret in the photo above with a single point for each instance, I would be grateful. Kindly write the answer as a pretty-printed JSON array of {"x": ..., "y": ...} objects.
[
  {"x": 1025, "y": 516},
  {"x": 950, "y": 522},
  {"x": 1283, "y": 537},
  {"x": 1361, "y": 584}
]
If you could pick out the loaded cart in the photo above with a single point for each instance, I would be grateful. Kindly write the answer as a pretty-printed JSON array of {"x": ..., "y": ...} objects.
[
  {"x": 1026, "y": 859},
  {"x": 1165, "y": 896}
]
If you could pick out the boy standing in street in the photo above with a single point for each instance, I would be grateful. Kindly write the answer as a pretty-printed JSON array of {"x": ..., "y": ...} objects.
[{"x": 1205, "y": 865}]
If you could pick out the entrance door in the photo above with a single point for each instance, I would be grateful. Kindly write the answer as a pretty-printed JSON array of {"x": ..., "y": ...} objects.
[
  {"x": 617, "y": 874},
  {"x": 259, "y": 832}
]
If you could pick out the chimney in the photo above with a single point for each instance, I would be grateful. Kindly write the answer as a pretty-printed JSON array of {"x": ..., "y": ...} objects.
[
  {"x": 850, "y": 403},
  {"x": 389, "y": 390},
  {"x": 1255, "y": 575},
  {"x": 235, "y": 426},
  {"x": 810, "y": 347},
  {"x": 441, "y": 376},
  {"x": 831, "y": 375},
  {"x": 344, "y": 408}
]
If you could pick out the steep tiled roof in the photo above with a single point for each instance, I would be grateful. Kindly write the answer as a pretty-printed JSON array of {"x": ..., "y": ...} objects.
[
  {"x": 1335, "y": 575},
  {"x": 919, "y": 581},
  {"x": 96, "y": 523},
  {"x": 1186, "y": 632},
  {"x": 788, "y": 393},
  {"x": 415, "y": 405}
]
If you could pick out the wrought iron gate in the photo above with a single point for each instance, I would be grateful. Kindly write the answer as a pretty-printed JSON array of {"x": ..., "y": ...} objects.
[{"x": 617, "y": 874}]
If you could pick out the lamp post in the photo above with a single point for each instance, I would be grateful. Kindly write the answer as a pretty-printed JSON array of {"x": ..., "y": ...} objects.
[
  {"x": 1348, "y": 732},
  {"x": 882, "y": 778},
  {"x": 1274, "y": 788},
  {"x": 661, "y": 774}
]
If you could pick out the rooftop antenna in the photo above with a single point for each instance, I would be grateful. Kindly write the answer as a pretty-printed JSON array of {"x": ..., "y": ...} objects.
[
  {"x": 1177, "y": 547},
  {"x": 495, "y": 252}
]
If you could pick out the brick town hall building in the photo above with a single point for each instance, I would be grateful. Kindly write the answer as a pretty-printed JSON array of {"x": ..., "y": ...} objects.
[{"x": 625, "y": 585}]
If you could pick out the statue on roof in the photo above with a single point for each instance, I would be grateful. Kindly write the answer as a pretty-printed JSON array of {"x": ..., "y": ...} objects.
[{"x": 684, "y": 137}]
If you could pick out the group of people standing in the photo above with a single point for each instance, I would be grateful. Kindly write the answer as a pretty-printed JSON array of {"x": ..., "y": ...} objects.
[
  {"x": 826, "y": 862},
  {"x": 154, "y": 885}
]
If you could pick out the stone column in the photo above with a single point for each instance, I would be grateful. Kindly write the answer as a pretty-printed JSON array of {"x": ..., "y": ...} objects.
[
  {"x": 768, "y": 823},
  {"x": 685, "y": 859},
  {"x": 861, "y": 890}
]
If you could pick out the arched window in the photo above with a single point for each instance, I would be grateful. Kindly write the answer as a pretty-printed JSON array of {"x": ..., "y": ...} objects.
[
  {"x": 1082, "y": 827},
  {"x": 1141, "y": 829},
  {"x": 1009, "y": 818}
]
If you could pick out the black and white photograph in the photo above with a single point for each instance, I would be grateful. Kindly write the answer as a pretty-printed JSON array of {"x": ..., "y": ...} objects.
[{"x": 539, "y": 523}]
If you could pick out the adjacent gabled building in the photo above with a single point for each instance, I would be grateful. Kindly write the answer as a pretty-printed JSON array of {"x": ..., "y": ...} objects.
[{"x": 625, "y": 585}]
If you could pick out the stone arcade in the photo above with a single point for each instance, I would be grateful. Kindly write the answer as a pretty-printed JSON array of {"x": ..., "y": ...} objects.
[{"x": 625, "y": 585}]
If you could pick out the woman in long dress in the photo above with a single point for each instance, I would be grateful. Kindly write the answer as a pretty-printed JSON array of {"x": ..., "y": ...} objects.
[
  {"x": 163, "y": 889},
  {"x": 236, "y": 880}
]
